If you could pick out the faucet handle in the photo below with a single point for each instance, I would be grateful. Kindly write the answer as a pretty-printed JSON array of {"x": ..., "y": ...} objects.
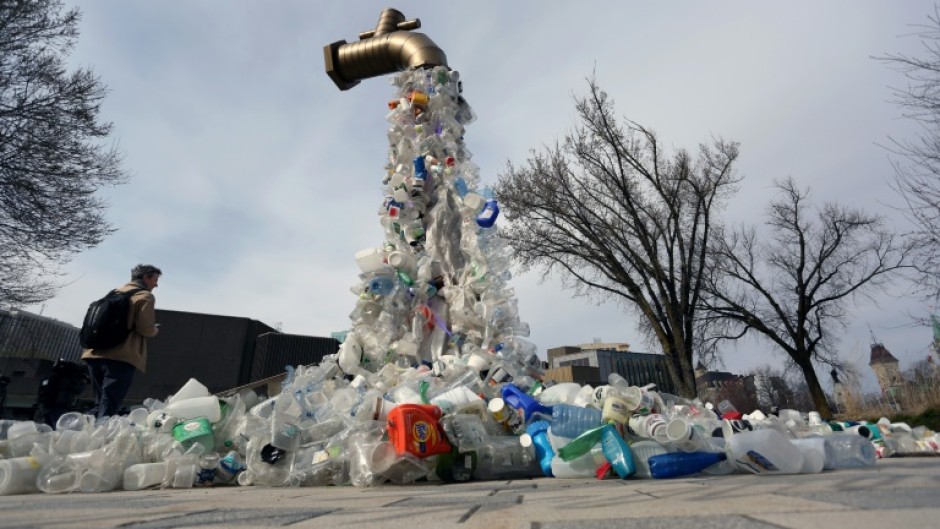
[
  {"x": 402, "y": 26},
  {"x": 409, "y": 24}
]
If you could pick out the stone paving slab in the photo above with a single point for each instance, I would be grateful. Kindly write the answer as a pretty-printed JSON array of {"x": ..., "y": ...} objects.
[{"x": 895, "y": 492}]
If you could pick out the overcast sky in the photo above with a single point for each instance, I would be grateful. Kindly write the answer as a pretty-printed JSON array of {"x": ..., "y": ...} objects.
[{"x": 255, "y": 180}]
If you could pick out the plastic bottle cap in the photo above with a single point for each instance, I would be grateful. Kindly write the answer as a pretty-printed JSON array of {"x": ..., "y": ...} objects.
[{"x": 525, "y": 440}]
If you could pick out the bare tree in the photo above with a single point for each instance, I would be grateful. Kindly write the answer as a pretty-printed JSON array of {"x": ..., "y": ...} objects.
[
  {"x": 617, "y": 217},
  {"x": 770, "y": 388},
  {"x": 792, "y": 285},
  {"x": 918, "y": 180},
  {"x": 51, "y": 159}
]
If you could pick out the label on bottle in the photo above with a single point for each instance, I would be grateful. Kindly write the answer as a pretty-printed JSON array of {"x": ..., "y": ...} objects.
[{"x": 757, "y": 463}]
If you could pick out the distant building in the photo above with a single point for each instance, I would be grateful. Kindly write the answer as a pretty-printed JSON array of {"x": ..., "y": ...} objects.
[
  {"x": 638, "y": 369},
  {"x": 885, "y": 366},
  {"x": 745, "y": 392}
]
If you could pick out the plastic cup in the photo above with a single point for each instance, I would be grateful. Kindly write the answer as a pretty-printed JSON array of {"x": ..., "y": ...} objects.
[{"x": 684, "y": 435}]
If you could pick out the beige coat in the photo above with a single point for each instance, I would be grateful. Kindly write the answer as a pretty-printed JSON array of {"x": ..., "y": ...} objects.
[{"x": 141, "y": 323}]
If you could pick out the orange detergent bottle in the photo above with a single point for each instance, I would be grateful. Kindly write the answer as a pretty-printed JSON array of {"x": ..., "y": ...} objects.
[{"x": 413, "y": 428}]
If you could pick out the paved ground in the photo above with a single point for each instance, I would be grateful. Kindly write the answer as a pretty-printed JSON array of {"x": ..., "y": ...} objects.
[{"x": 903, "y": 492}]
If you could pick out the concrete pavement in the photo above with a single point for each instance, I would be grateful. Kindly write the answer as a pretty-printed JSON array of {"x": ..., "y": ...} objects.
[{"x": 898, "y": 492}]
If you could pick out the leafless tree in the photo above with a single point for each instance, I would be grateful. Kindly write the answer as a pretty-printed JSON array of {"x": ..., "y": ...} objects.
[
  {"x": 51, "y": 158},
  {"x": 617, "y": 217},
  {"x": 792, "y": 285},
  {"x": 770, "y": 388},
  {"x": 918, "y": 180}
]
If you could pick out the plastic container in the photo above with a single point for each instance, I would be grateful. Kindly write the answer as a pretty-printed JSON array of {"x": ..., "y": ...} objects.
[
  {"x": 370, "y": 260},
  {"x": 506, "y": 416},
  {"x": 18, "y": 475},
  {"x": 642, "y": 451},
  {"x": 651, "y": 426},
  {"x": 581, "y": 467},
  {"x": 564, "y": 392},
  {"x": 518, "y": 399},
  {"x": 848, "y": 450},
  {"x": 685, "y": 436},
  {"x": 572, "y": 421},
  {"x": 144, "y": 475},
  {"x": 678, "y": 464},
  {"x": 505, "y": 457},
  {"x": 617, "y": 452},
  {"x": 537, "y": 434},
  {"x": 454, "y": 398},
  {"x": 194, "y": 431},
  {"x": 414, "y": 429},
  {"x": 764, "y": 451},
  {"x": 185, "y": 409},
  {"x": 190, "y": 390},
  {"x": 814, "y": 454}
]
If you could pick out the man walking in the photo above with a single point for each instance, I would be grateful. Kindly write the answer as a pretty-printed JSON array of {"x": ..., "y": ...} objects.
[{"x": 112, "y": 370}]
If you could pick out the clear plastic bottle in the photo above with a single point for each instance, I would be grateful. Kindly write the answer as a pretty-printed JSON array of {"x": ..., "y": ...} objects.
[
  {"x": 504, "y": 457},
  {"x": 572, "y": 421},
  {"x": 848, "y": 450}
]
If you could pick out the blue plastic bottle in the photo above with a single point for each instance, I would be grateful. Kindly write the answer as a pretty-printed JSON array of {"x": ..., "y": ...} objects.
[
  {"x": 487, "y": 217},
  {"x": 571, "y": 421},
  {"x": 677, "y": 464},
  {"x": 617, "y": 452},
  {"x": 381, "y": 285},
  {"x": 538, "y": 431},
  {"x": 517, "y": 399}
]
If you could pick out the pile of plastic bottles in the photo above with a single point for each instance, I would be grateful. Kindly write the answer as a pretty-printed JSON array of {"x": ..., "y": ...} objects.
[{"x": 325, "y": 429}]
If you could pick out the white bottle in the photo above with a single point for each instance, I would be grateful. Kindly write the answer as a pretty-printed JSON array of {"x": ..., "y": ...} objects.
[
  {"x": 814, "y": 453},
  {"x": 584, "y": 466},
  {"x": 144, "y": 475},
  {"x": 765, "y": 451},
  {"x": 18, "y": 475},
  {"x": 186, "y": 409},
  {"x": 190, "y": 390}
]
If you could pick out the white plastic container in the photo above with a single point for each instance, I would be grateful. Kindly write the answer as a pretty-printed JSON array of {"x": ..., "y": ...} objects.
[
  {"x": 580, "y": 467},
  {"x": 144, "y": 475},
  {"x": 642, "y": 451},
  {"x": 18, "y": 475},
  {"x": 685, "y": 436},
  {"x": 370, "y": 260},
  {"x": 190, "y": 390},
  {"x": 814, "y": 454},
  {"x": 564, "y": 392},
  {"x": 764, "y": 451},
  {"x": 454, "y": 398},
  {"x": 186, "y": 409}
]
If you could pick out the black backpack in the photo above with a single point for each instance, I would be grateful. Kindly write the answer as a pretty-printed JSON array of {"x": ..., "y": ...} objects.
[{"x": 105, "y": 324}]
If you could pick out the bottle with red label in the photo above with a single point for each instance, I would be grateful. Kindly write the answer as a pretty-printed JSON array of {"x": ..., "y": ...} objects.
[{"x": 414, "y": 428}]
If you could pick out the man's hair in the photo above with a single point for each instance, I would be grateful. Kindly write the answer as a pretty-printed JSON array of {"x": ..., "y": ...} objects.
[{"x": 141, "y": 271}]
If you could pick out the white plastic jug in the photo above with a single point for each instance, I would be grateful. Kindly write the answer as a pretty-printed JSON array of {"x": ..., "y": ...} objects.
[
  {"x": 190, "y": 390},
  {"x": 144, "y": 475},
  {"x": 18, "y": 475},
  {"x": 814, "y": 454},
  {"x": 764, "y": 451},
  {"x": 207, "y": 407},
  {"x": 564, "y": 392}
]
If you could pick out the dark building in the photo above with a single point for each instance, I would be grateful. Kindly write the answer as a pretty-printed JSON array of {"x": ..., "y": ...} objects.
[
  {"x": 30, "y": 345},
  {"x": 222, "y": 352},
  {"x": 639, "y": 369}
]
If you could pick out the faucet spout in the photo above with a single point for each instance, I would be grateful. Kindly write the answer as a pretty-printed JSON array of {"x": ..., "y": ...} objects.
[{"x": 390, "y": 47}]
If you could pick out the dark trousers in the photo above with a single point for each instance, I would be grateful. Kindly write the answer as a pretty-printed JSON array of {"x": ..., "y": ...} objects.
[{"x": 111, "y": 380}]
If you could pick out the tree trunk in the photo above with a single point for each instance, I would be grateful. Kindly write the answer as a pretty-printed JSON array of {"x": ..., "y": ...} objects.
[{"x": 815, "y": 389}]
